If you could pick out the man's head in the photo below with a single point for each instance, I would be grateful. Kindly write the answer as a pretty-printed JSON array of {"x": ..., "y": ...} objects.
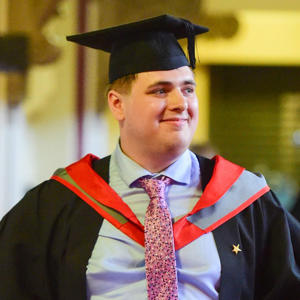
[
  {"x": 158, "y": 115},
  {"x": 157, "y": 107}
]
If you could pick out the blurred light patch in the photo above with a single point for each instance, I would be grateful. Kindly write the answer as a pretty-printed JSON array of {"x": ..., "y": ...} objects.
[{"x": 296, "y": 138}]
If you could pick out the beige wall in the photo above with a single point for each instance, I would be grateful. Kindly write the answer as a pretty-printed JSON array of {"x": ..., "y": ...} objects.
[
  {"x": 38, "y": 136},
  {"x": 235, "y": 5},
  {"x": 262, "y": 38}
]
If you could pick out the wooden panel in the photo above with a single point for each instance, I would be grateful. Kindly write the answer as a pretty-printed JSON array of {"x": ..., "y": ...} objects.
[
  {"x": 3, "y": 28},
  {"x": 290, "y": 124},
  {"x": 248, "y": 122}
]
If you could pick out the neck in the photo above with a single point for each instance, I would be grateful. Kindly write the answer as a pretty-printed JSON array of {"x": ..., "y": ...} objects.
[{"x": 153, "y": 162}]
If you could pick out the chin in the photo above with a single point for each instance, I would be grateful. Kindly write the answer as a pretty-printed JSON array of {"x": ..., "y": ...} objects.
[{"x": 176, "y": 148}]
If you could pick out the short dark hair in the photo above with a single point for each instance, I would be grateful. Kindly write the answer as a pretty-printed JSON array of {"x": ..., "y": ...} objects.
[{"x": 123, "y": 84}]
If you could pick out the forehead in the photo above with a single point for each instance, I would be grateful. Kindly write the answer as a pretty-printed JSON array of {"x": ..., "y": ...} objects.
[{"x": 175, "y": 76}]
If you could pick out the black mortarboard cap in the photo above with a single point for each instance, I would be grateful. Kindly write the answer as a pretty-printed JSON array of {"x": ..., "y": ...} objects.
[{"x": 147, "y": 45}]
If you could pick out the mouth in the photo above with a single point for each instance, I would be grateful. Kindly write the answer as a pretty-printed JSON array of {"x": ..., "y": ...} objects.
[{"x": 174, "y": 120}]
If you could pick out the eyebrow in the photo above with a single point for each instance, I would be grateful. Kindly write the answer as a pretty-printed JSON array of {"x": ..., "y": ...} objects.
[{"x": 162, "y": 82}]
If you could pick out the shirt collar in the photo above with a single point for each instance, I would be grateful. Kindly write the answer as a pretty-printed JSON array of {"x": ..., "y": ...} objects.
[{"x": 130, "y": 171}]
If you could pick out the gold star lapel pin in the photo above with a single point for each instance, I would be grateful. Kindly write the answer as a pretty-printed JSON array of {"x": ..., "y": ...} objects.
[{"x": 236, "y": 249}]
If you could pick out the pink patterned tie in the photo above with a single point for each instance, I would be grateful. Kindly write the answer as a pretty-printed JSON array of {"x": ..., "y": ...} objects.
[{"x": 160, "y": 258}]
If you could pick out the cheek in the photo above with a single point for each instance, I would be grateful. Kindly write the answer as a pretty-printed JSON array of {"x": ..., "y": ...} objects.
[
  {"x": 156, "y": 109},
  {"x": 139, "y": 116},
  {"x": 145, "y": 114},
  {"x": 193, "y": 108},
  {"x": 151, "y": 112}
]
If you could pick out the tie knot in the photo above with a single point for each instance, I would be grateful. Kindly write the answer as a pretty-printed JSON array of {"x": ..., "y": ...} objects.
[{"x": 154, "y": 187}]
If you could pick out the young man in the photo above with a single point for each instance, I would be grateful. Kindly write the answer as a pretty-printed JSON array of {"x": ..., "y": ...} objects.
[{"x": 88, "y": 232}]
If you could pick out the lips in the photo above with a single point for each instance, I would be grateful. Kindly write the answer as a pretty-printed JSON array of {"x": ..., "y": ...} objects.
[
  {"x": 175, "y": 120},
  {"x": 176, "y": 123}
]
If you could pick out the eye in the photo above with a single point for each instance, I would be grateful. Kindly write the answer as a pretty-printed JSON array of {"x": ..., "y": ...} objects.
[
  {"x": 160, "y": 91},
  {"x": 189, "y": 90}
]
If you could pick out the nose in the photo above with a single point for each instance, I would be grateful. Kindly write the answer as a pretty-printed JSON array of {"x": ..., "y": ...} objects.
[{"x": 177, "y": 101}]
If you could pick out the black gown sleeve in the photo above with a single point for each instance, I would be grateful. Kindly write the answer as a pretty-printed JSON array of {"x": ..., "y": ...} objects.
[
  {"x": 23, "y": 252},
  {"x": 279, "y": 261},
  {"x": 45, "y": 243}
]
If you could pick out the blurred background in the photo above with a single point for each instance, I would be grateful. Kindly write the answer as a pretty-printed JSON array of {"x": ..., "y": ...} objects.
[{"x": 52, "y": 104}]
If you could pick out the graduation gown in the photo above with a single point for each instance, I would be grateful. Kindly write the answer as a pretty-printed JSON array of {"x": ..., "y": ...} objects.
[{"x": 47, "y": 239}]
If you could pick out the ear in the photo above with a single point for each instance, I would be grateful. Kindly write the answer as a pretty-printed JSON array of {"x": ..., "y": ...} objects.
[{"x": 116, "y": 104}]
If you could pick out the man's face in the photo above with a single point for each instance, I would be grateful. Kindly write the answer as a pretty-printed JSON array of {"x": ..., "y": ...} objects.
[{"x": 160, "y": 114}]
